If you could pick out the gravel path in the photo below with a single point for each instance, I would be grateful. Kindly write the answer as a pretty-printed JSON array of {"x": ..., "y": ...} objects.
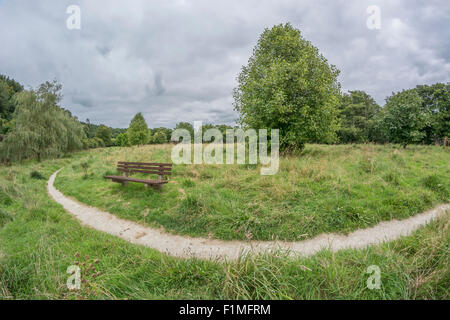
[{"x": 184, "y": 246}]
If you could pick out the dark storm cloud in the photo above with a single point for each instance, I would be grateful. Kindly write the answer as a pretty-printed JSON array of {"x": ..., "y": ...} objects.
[{"x": 178, "y": 60}]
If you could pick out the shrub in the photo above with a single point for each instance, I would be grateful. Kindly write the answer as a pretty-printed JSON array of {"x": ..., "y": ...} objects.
[
  {"x": 122, "y": 140},
  {"x": 159, "y": 137},
  {"x": 36, "y": 175}
]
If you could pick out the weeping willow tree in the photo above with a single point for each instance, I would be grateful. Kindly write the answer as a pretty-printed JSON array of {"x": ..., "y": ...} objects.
[{"x": 41, "y": 129}]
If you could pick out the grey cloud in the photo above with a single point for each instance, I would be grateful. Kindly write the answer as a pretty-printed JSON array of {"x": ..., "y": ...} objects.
[
  {"x": 103, "y": 49},
  {"x": 84, "y": 101},
  {"x": 177, "y": 60},
  {"x": 159, "y": 87}
]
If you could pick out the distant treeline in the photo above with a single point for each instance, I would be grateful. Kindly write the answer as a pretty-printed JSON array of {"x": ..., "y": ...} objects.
[
  {"x": 137, "y": 134},
  {"x": 33, "y": 125}
]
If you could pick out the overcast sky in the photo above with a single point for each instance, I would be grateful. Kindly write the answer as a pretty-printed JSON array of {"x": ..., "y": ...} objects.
[{"x": 177, "y": 60}]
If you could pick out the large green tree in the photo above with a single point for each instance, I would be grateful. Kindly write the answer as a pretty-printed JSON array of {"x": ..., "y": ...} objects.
[
  {"x": 187, "y": 126},
  {"x": 436, "y": 102},
  {"x": 41, "y": 127},
  {"x": 122, "y": 140},
  {"x": 138, "y": 133},
  {"x": 357, "y": 112},
  {"x": 104, "y": 133},
  {"x": 403, "y": 119},
  {"x": 288, "y": 85},
  {"x": 160, "y": 135}
]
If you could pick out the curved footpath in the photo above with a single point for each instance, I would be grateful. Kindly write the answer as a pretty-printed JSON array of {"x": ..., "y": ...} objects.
[{"x": 186, "y": 247}]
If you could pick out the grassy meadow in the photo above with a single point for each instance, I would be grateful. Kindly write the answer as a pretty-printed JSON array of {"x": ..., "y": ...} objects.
[
  {"x": 336, "y": 188},
  {"x": 39, "y": 240}
]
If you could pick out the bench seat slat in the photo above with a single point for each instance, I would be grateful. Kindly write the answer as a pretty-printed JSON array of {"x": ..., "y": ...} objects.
[
  {"x": 147, "y": 163},
  {"x": 122, "y": 178},
  {"x": 144, "y": 167},
  {"x": 144, "y": 171}
]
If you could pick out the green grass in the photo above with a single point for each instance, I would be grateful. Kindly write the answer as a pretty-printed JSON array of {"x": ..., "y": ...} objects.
[
  {"x": 325, "y": 189},
  {"x": 39, "y": 240}
]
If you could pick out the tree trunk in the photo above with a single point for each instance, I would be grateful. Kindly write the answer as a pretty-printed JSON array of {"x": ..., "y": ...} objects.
[{"x": 39, "y": 157}]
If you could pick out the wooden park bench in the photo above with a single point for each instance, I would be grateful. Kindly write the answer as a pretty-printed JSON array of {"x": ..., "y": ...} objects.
[{"x": 160, "y": 169}]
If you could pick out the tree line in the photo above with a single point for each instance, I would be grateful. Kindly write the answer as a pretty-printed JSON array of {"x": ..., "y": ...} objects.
[
  {"x": 138, "y": 133},
  {"x": 287, "y": 85},
  {"x": 34, "y": 125}
]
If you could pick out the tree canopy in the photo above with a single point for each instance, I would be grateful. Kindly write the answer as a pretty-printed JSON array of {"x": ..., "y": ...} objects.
[
  {"x": 138, "y": 133},
  {"x": 402, "y": 119},
  {"x": 122, "y": 140},
  {"x": 159, "y": 137},
  {"x": 187, "y": 126},
  {"x": 288, "y": 85},
  {"x": 104, "y": 133},
  {"x": 436, "y": 102},
  {"x": 357, "y": 112}
]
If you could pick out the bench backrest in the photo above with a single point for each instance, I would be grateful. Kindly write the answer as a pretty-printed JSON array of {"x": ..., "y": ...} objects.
[{"x": 161, "y": 169}]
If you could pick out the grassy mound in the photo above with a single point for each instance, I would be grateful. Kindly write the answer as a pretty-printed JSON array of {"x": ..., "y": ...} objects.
[{"x": 325, "y": 189}]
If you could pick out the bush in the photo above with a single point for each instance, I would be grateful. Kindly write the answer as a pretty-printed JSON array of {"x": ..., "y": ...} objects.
[
  {"x": 351, "y": 135},
  {"x": 92, "y": 143},
  {"x": 122, "y": 140},
  {"x": 159, "y": 137},
  {"x": 36, "y": 175}
]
